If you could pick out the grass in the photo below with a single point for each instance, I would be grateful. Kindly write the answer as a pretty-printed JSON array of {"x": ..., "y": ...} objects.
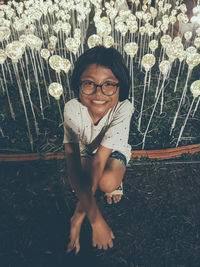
[{"x": 155, "y": 224}]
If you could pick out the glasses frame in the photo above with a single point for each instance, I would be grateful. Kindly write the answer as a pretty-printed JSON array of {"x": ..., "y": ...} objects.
[{"x": 99, "y": 85}]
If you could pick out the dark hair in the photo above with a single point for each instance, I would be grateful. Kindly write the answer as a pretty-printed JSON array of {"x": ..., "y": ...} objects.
[{"x": 106, "y": 57}]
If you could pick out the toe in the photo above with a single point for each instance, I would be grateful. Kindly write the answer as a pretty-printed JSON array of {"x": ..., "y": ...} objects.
[
  {"x": 109, "y": 199},
  {"x": 116, "y": 198}
]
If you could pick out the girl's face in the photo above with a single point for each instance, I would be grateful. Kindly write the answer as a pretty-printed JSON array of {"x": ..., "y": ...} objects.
[{"x": 98, "y": 104}]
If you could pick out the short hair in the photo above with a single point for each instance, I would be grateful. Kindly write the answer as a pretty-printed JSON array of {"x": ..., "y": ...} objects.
[{"x": 106, "y": 57}]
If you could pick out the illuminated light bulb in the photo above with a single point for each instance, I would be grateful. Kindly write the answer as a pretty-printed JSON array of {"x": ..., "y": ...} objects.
[
  {"x": 72, "y": 45},
  {"x": 66, "y": 28},
  {"x": 53, "y": 39},
  {"x": 105, "y": 20},
  {"x": 191, "y": 50},
  {"x": 45, "y": 27},
  {"x": 172, "y": 19},
  {"x": 198, "y": 31},
  {"x": 55, "y": 90},
  {"x": 103, "y": 29},
  {"x": 32, "y": 28},
  {"x": 142, "y": 30},
  {"x": 57, "y": 27},
  {"x": 197, "y": 42},
  {"x": 94, "y": 40},
  {"x": 66, "y": 65},
  {"x": 183, "y": 8},
  {"x": 165, "y": 40},
  {"x": 139, "y": 14},
  {"x": 144, "y": 8},
  {"x": 33, "y": 41},
  {"x": 153, "y": 44},
  {"x": 132, "y": 25},
  {"x": 121, "y": 27},
  {"x": 158, "y": 23},
  {"x": 45, "y": 53},
  {"x": 154, "y": 12},
  {"x": 1, "y": 14},
  {"x": 15, "y": 50},
  {"x": 4, "y": 33},
  {"x": 177, "y": 40},
  {"x": 196, "y": 10},
  {"x": 156, "y": 30},
  {"x": 164, "y": 67},
  {"x": 193, "y": 60},
  {"x": 77, "y": 33},
  {"x": 149, "y": 29},
  {"x": 55, "y": 62},
  {"x": 195, "y": 88},
  {"x": 182, "y": 55},
  {"x": 108, "y": 41},
  {"x": 165, "y": 20},
  {"x": 174, "y": 12},
  {"x": 147, "y": 17},
  {"x": 148, "y": 61},
  {"x": 51, "y": 47},
  {"x": 131, "y": 49},
  {"x": 182, "y": 18},
  {"x": 188, "y": 35},
  {"x": 3, "y": 56},
  {"x": 170, "y": 53},
  {"x": 19, "y": 25}
]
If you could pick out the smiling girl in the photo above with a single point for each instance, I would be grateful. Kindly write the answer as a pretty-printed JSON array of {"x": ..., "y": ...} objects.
[{"x": 96, "y": 131}]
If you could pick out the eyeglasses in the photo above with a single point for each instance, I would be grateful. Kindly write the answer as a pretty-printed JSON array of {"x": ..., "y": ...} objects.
[{"x": 90, "y": 88}]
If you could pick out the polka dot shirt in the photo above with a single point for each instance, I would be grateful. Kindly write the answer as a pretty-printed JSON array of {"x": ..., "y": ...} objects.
[{"x": 112, "y": 131}]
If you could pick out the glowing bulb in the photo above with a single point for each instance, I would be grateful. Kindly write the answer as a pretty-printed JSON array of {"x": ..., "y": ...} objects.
[
  {"x": 55, "y": 90},
  {"x": 195, "y": 88},
  {"x": 148, "y": 61}
]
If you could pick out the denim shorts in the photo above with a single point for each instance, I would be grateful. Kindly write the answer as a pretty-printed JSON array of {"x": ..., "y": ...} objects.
[
  {"x": 114, "y": 155},
  {"x": 119, "y": 156}
]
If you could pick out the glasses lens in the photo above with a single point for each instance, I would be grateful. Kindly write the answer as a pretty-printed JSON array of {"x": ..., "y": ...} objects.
[
  {"x": 87, "y": 87},
  {"x": 109, "y": 88}
]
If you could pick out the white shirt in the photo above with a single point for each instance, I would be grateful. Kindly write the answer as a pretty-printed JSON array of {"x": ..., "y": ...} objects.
[{"x": 112, "y": 131}]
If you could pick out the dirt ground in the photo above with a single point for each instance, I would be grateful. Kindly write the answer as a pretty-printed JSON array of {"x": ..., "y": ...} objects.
[{"x": 157, "y": 223}]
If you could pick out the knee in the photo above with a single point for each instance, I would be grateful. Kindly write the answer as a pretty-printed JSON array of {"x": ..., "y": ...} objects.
[{"x": 108, "y": 185}]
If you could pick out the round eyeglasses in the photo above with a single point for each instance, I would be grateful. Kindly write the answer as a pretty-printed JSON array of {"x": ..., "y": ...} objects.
[{"x": 90, "y": 88}]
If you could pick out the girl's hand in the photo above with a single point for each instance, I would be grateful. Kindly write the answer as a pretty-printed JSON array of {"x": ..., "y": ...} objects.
[{"x": 102, "y": 235}]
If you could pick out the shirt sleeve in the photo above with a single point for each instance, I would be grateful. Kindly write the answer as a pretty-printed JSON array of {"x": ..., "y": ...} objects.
[
  {"x": 117, "y": 134},
  {"x": 72, "y": 122}
]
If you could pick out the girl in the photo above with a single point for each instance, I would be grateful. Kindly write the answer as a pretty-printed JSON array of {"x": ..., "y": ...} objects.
[{"x": 96, "y": 130}]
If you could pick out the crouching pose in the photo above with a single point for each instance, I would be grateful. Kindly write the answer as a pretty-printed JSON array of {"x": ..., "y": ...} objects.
[{"x": 96, "y": 131}]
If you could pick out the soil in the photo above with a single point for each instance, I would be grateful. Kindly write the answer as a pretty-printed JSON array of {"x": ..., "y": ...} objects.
[{"x": 155, "y": 224}]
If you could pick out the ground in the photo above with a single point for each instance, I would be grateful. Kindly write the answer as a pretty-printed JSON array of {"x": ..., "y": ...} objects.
[{"x": 155, "y": 224}]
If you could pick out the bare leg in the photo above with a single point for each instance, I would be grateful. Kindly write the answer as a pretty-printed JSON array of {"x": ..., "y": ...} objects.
[
  {"x": 110, "y": 180},
  {"x": 76, "y": 222}
]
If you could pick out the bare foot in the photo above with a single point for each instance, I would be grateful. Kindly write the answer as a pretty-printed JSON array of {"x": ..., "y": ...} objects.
[
  {"x": 76, "y": 222},
  {"x": 113, "y": 198},
  {"x": 102, "y": 235}
]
